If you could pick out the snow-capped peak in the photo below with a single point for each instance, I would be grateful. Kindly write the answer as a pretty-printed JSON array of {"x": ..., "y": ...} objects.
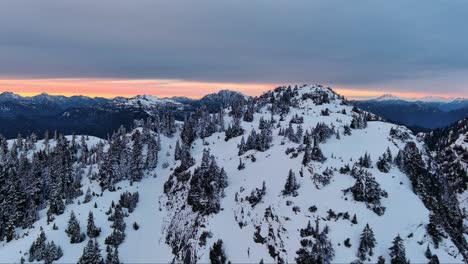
[
  {"x": 145, "y": 100},
  {"x": 387, "y": 97},
  {"x": 426, "y": 99},
  {"x": 9, "y": 96}
]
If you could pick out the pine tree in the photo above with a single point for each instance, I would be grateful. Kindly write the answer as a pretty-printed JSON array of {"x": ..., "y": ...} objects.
[
  {"x": 152, "y": 152},
  {"x": 428, "y": 253},
  {"x": 354, "y": 220},
  {"x": 88, "y": 196},
  {"x": 115, "y": 259},
  {"x": 434, "y": 260},
  {"x": 53, "y": 253},
  {"x": 91, "y": 253},
  {"x": 37, "y": 251},
  {"x": 241, "y": 165},
  {"x": 10, "y": 230},
  {"x": 316, "y": 153},
  {"x": 136, "y": 166},
  {"x": 291, "y": 186},
  {"x": 92, "y": 230},
  {"x": 242, "y": 147},
  {"x": 433, "y": 231},
  {"x": 307, "y": 155},
  {"x": 320, "y": 251},
  {"x": 381, "y": 260},
  {"x": 389, "y": 155},
  {"x": 217, "y": 255},
  {"x": 382, "y": 164},
  {"x": 367, "y": 243},
  {"x": 207, "y": 186},
  {"x": 73, "y": 230},
  {"x": 397, "y": 251},
  {"x": 177, "y": 151},
  {"x": 109, "y": 255}
]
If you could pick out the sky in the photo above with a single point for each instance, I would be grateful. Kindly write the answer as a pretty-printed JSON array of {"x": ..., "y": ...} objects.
[{"x": 362, "y": 48}]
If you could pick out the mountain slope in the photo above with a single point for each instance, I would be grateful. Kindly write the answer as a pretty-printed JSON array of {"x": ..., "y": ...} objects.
[
  {"x": 187, "y": 202},
  {"x": 425, "y": 113}
]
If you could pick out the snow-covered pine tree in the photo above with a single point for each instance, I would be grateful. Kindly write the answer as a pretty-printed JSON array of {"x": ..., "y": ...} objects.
[
  {"x": 92, "y": 230},
  {"x": 73, "y": 230},
  {"x": 291, "y": 186},
  {"x": 91, "y": 253},
  {"x": 88, "y": 196},
  {"x": 37, "y": 251},
  {"x": 217, "y": 255},
  {"x": 316, "y": 153},
  {"x": 207, "y": 185},
  {"x": 136, "y": 161},
  {"x": 397, "y": 251},
  {"x": 382, "y": 163},
  {"x": 367, "y": 243}
]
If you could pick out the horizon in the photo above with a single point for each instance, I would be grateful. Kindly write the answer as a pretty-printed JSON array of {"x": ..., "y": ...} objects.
[{"x": 109, "y": 89}]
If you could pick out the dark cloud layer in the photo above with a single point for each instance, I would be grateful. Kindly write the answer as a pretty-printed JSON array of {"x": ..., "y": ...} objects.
[{"x": 350, "y": 43}]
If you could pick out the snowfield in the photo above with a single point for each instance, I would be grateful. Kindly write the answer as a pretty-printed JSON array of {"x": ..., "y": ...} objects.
[{"x": 405, "y": 213}]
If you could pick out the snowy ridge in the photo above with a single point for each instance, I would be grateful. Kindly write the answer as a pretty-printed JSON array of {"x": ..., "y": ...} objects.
[
  {"x": 145, "y": 101},
  {"x": 427, "y": 99},
  {"x": 265, "y": 226}
]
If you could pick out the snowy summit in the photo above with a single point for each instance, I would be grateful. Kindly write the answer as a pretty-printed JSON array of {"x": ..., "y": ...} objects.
[{"x": 294, "y": 175}]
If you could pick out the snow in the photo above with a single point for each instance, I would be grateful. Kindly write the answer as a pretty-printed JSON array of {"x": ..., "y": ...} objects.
[
  {"x": 427, "y": 99},
  {"x": 405, "y": 213},
  {"x": 149, "y": 101}
]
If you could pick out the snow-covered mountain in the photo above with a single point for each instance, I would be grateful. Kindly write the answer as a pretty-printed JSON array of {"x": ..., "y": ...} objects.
[
  {"x": 295, "y": 175},
  {"x": 96, "y": 116},
  {"x": 426, "y": 113},
  {"x": 427, "y": 99}
]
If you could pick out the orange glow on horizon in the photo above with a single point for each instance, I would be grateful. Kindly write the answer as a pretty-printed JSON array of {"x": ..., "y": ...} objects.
[{"x": 110, "y": 88}]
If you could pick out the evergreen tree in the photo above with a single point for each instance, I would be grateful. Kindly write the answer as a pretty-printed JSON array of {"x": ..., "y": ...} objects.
[
  {"x": 291, "y": 186},
  {"x": 217, "y": 255},
  {"x": 152, "y": 152},
  {"x": 307, "y": 155},
  {"x": 92, "y": 230},
  {"x": 316, "y": 153},
  {"x": 242, "y": 147},
  {"x": 318, "y": 252},
  {"x": 434, "y": 260},
  {"x": 354, "y": 220},
  {"x": 367, "y": 243},
  {"x": 207, "y": 186},
  {"x": 88, "y": 196},
  {"x": 53, "y": 253},
  {"x": 136, "y": 166},
  {"x": 397, "y": 251},
  {"x": 381, "y": 260},
  {"x": 382, "y": 164},
  {"x": 177, "y": 151},
  {"x": 389, "y": 155},
  {"x": 73, "y": 230},
  {"x": 428, "y": 253},
  {"x": 241, "y": 165},
  {"x": 37, "y": 251},
  {"x": 346, "y": 130},
  {"x": 91, "y": 253}
]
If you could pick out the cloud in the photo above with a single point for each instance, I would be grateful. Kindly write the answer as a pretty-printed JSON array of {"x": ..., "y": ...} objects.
[{"x": 364, "y": 43}]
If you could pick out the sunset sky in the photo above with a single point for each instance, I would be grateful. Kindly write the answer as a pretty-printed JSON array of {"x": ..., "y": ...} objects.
[{"x": 191, "y": 48}]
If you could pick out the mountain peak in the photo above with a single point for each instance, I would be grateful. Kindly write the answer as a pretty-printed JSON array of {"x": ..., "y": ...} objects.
[
  {"x": 386, "y": 97},
  {"x": 9, "y": 95}
]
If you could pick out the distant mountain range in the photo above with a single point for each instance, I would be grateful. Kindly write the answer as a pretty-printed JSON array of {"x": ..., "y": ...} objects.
[
  {"x": 95, "y": 116},
  {"x": 100, "y": 116},
  {"x": 417, "y": 113}
]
